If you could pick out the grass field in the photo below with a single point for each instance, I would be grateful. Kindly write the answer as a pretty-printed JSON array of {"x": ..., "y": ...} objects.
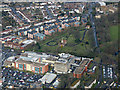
[
  {"x": 69, "y": 48},
  {"x": 114, "y": 32}
]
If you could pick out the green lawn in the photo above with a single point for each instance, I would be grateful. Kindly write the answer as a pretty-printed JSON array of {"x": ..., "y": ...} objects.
[
  {"x": 78, "y": 49},
  {"x": 114, "y": 32}
]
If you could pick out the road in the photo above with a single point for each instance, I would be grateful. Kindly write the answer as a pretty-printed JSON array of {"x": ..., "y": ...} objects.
[
  {"x": 93, "y": 25},
  {"x": 7, "y": 53},
  {"x": 0, "y": 60},
  {"x": 18, "y": 14},
  {"x": 49, "y": 13},
  {"x": 96, "y": 42}
]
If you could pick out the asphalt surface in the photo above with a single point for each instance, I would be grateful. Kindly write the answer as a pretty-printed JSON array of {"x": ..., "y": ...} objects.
[{"x": 0, "y": 60}]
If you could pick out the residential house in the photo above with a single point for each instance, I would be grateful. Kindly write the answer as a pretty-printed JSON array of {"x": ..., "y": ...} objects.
[
  {"x": 39, "y": 36},
  {"x": 12, "y": 45},
  {"x": 31, "y": 34},
  {"x": 59, "y": 29},
  {"x": 23, "y": 32},
  {"x": 76, "y": 24}
]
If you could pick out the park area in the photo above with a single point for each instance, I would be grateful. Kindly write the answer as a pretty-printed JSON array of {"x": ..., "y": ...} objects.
[{"x": 77, "y": 42}]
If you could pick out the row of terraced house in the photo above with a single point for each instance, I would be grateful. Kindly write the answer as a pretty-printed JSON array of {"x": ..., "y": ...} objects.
[{"x": 40, "y": 30}]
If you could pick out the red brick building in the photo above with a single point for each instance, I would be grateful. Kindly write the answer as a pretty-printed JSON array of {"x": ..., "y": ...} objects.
[
  {"x": 30, "y": 66},
  {"x": 79, "y": 71}
]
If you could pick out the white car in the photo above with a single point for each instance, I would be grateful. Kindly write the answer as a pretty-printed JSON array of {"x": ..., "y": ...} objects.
[
  {"x": 115, "y": 76},
  {"x": 114, "y": 84},
  {"x": 98, "y": 82},
  {"x": 104, "y": 76},
  {"x": 12, "y": 50},
  {"x": 14, "y": 74}
]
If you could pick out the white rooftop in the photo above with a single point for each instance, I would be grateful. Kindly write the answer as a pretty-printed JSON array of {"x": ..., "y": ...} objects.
[
  {"x": 11, "y": 58},
  {"x": 64, "y": 55},
  {"x": 102, "y": 3},
  {"x": 33, "y": 59},
  {"x": 31, "y": 54},
  {"x": 28, "y": 41},
  {"x": 48, "y": 78}
]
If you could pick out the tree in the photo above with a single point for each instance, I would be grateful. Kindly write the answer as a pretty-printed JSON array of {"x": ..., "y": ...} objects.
[
  {"x": 77, "y": 40},
  {"x": 39, "y": 47},
  {"x": 66, "y": 81}
]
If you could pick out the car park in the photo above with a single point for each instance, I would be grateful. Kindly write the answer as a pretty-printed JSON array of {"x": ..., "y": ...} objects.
[{"x": 15, "y": 77}]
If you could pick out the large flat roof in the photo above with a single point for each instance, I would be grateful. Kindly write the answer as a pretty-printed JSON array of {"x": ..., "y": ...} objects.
[
  {"x": 24, "y": 62},
  {"x": 32, "y": 63},
  {"x": 31, "y": 54},
  {"x": 51, "y": 58},
  {"x": 84, "y": 62},
  {"x": 62, "y": 60},
  {"x": 79, "y": 70},
  {"x": 33, "y": 58},
  {"x": 39, "y": 64},
  {"x": 48, "y": 77},
  {"x": 28, "y": 41}
]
